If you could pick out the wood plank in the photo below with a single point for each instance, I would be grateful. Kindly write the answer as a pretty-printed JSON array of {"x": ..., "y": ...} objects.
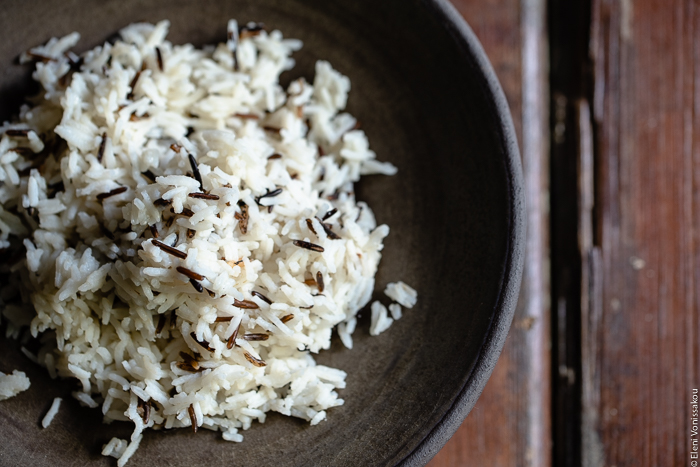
[
  {"x": 510, "y": 424},
  {"x": 642, "y": 354}
]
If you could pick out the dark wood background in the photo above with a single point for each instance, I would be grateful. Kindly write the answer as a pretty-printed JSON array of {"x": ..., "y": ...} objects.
[{"x": 603, "y": 355}]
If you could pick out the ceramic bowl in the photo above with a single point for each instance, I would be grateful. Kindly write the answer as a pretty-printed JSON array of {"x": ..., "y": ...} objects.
[{"x": 430, "y": 103}]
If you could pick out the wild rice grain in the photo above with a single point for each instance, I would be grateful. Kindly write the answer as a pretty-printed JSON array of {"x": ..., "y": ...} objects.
[
  {"x": 189, "y": 273},
  {"x": 145, "y": 409},
  {"x": 327, "y": 228},
  {"x": 132, "y": 85},
  {"x": 268, "y": 194},
  {"x": 245, "y": 304},
  {"x": 185, "y": 212},
  {"x": 232, "y": 340},
  {"x": 256, "y": 337},
  {"x": 319, "y": 281},
  {"x": 160, "y": 202},
  {"x": 109, "y": 194},
  {"x": 255, "y": 361},
  {"x": 101, "y": 150},
  {"x": 159, "y": 58},
  {"x": 204, "y": 344},
  {"x": 149, "y": 175},
  {"x": 329, "y": 214},
  {"x": 250, "y": 30},
  {"x": 197, "y": 286},
  {"x": 308, "y": 246},
  {"x": 161, "y": 323},
  {"x": 39, "y": 57},
  {"x": 203, "y": 196},
  {"x": 310, "y": 225},
  {"x": 193, "y": 418},
  {"x": 243, "y": 217},
  {"x": 170, "y": 250},
  {"x": 173, "y": 318},
  {"x": 190, "y": 360},
  {"x": 261, "y": 297},
  {"x": 195, "y": 170}
]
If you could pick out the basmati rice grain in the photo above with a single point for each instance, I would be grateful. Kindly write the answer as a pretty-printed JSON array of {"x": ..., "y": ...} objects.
[
  {"x": 48, "y": 418},
  {"x": 395, "y": 310}
]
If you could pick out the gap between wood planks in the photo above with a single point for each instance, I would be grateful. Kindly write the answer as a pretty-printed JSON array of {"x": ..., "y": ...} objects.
[{"x": 573, "y": 252}]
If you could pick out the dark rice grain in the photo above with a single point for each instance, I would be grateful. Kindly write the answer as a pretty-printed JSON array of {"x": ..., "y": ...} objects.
[
  {"x": 159, "y": 57},
  {"x": 101, "y": 150},
  {"x": 193, "y": 418},
  {"x": 204, "y": 344},
  {"x": 256, "y": 337},
  {"x": 308, "y": 246},
  {"x": 329, "y": 214},
  {"x": 261, "y": 297},
  {"x": 161, "y": 323},
  {"x": 189, "y": 273},
  {"x": 170, "y": 250},
  {"x": 197, "y": 286},
  {"x": 232, "y": 340},
  {"x": 132, "y": 85},
  {"x": 203, "y": 196},
  {"x": 255, "y": 361},
  {"x": 245, "y": 304},
  {"x": 160, "y": 202},
  {"x": 310, "y": 225},
  {"x": 109, "y": 194},
  {"x": 195, "y": 170}
]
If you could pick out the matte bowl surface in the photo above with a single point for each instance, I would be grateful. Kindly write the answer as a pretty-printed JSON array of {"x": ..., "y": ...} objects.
[{"x": 429, "y": 103}]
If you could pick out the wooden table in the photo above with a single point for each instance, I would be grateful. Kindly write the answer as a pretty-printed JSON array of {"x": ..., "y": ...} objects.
[{"x": 603, "y": 356}]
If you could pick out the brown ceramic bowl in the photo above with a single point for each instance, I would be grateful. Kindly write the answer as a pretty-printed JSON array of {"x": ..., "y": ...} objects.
[{"x": 430, "y": 103}]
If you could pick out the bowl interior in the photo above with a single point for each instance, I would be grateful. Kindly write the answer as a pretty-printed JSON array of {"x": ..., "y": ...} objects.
[{"x": 425, "y": 106}]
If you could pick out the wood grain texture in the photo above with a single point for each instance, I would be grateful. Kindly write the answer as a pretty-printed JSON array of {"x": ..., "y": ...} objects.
[
  {"x": 510, "y": 424},
  {"x": 641, "y": 326}
]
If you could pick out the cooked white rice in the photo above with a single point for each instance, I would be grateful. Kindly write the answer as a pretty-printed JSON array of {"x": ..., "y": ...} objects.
[
  {"x": 11, "y": 385},
  {"x": 140, "y": 275},
  {"x": 380, "y": 319},
  {"x": 53, "y": 410},
  {"x": 401, "y": 293}
]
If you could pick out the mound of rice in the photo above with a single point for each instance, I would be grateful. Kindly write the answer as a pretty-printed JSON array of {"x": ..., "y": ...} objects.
[
  {"x": 11, "y": 385},
  {"x": 191, "y": 231}
]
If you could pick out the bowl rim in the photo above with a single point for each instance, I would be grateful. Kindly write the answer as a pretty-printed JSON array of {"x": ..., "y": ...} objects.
[{"x": 466, "y": 40}]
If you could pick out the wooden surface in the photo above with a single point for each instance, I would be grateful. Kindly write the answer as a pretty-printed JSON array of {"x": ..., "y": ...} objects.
[
  {"x": 641, "y": 335},
  {"x": 510, "y": 424},
  {"x": 619, "y": 235}
]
